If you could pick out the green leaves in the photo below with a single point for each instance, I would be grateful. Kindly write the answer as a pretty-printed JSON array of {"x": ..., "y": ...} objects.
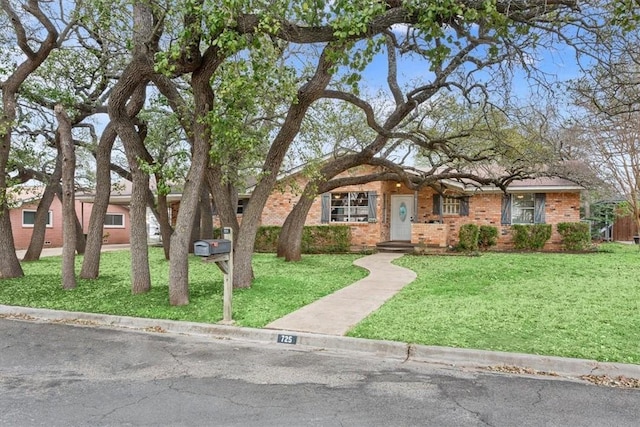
[
  {"x": 353, "y": 17},
  {"x": 251, "y": 88}
]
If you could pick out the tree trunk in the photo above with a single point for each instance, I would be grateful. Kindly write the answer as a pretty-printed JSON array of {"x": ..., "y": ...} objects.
[
  {"x": 165, "y": 226},
  {"x": 290, "y": 239},
  {"x": 68, "y": 200},
  {"x": 195, "y": 229},
  {"x": 140, "y": 272},
  {"x": 9, "y": 264},
  {"x": 81, "y": 241},
  {"x": 206, "y": 215},
  {"x": 141, "y": 277},
  {"x": 42, "y": 214},
  {"x": 180, "y": 239},
  {"x": 225, "y": 198},
  {"x": 91, "y": 262},
  {"x": 242, "y": 256},
  {"x": 132, "y": 137}
]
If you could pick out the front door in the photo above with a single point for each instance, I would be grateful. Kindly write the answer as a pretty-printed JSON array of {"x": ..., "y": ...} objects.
[{"x": 401, "y": 217}]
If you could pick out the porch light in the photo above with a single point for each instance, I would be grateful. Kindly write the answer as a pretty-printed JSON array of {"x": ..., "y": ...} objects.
[{"x": 398, "y": 185}]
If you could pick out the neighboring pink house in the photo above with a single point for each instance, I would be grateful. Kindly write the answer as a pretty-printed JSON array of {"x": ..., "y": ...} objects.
[{"x": 22, "y": 214}]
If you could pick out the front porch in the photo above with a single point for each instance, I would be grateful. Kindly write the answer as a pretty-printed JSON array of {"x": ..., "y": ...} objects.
[{"x": 424, "y": 237}]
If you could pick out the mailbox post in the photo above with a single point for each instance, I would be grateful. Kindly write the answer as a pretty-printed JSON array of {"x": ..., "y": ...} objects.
[
  {"x": 227, "y": 233},
  {"x": 220, "y": 251}
]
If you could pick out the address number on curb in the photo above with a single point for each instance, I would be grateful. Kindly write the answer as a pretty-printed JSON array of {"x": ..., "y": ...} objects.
[{"x": 287, "y": 339}]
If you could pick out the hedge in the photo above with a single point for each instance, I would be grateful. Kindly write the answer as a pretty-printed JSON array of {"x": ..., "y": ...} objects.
[{"x": 316, "y": 239}]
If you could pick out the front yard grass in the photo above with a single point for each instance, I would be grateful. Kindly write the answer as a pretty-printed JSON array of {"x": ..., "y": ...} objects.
[
  {"x": 278, "y": 289},
  {"x": 572, "y": 305}
]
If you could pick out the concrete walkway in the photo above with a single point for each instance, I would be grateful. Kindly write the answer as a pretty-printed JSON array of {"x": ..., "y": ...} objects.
[{"x": 336, "y": 313}]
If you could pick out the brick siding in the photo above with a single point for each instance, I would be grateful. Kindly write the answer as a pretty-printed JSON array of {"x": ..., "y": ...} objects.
[{"x": 53, "y": 235}]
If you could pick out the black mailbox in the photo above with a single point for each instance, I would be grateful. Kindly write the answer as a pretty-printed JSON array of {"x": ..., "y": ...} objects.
[{"x": 211, "y": 247}]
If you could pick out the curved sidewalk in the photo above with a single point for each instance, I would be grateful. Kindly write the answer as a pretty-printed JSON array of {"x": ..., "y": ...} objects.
[{"x": 338, "y": 312}]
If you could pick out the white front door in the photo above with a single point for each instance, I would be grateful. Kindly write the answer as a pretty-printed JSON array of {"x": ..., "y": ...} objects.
[{"x": 401, "y": 217}]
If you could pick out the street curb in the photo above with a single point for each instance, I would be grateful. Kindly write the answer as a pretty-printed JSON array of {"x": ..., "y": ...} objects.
[{"x": 454, "y": 357}]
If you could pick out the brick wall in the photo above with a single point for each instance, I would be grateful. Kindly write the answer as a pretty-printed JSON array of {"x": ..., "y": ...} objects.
[
  {"x": 431, "y": 235},
  {"x": 284, "y": 198},
  {"x": 485, "y": 209}
]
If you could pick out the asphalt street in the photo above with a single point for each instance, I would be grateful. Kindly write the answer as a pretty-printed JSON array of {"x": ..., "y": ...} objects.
[{"x": 63, "y": 375}]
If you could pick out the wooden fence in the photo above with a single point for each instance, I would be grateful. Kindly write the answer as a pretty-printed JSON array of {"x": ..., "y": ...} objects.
[{"x": 624, "y": 228}]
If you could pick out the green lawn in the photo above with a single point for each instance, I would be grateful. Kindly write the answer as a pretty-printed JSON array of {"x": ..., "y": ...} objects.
[
  {"x": 279, "y": 288},
  {"x": 574, "y": 305}
]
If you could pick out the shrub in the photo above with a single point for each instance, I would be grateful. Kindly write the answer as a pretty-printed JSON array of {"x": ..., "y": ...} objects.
[
  {"x": 267, "y": 238},
  {"x": 468, "y": 237},
  {"x": 530, "y": 237},
  {"x": 323, "y": 239},
  {"x": 315, "y": 239},
  {"x": 488, "y": 236},
  {"x": 575, "y": 235}
]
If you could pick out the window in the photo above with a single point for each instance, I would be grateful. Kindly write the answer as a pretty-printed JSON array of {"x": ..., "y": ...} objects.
[
  {"x": 523, "y": 208},
  {"x": 29, "y": 218},
  {"x": 112, "y": 220},
  {"x": 242, "y": 205},
  {"x": 349, "y": 207},
  {"x": 443, "y": 205},
  {"x": 450, "y": 206}
]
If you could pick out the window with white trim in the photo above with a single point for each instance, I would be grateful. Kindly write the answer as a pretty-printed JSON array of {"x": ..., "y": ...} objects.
[
  {"x": 450, "y": 206},
  {"x": 114, "y": 220},
  {"x": 29, "y": 218},
  {"x": 350, "y": 207}
]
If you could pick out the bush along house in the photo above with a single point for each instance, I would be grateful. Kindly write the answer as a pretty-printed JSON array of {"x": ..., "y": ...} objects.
[{"x": 385, "y": 213}]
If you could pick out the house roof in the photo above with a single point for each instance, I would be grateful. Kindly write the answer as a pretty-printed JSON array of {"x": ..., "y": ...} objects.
[
  {"x": 121, "y": 193},
  {"x": 540, "y": 184},
  {"x": 529, "y": 185},
  {"x": 20, "y": 195}
]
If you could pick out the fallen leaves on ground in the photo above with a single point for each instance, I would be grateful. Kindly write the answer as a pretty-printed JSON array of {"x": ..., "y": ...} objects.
[
  {"x": 17, "y": 316},
  {"x": 619, "y": 381},
  {"x": 157, "y": 329},
  {"x": 518, "y": 370},
  {"x": 82, "y": 322}
]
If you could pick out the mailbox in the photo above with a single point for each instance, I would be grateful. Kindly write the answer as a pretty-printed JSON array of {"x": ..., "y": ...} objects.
[{"x": 211, "y": 247}]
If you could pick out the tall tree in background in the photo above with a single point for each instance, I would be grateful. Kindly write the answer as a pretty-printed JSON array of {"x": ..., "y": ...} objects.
[
  {"x": 26, "y": 23},
  {"x": 608, "y": 128}
]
